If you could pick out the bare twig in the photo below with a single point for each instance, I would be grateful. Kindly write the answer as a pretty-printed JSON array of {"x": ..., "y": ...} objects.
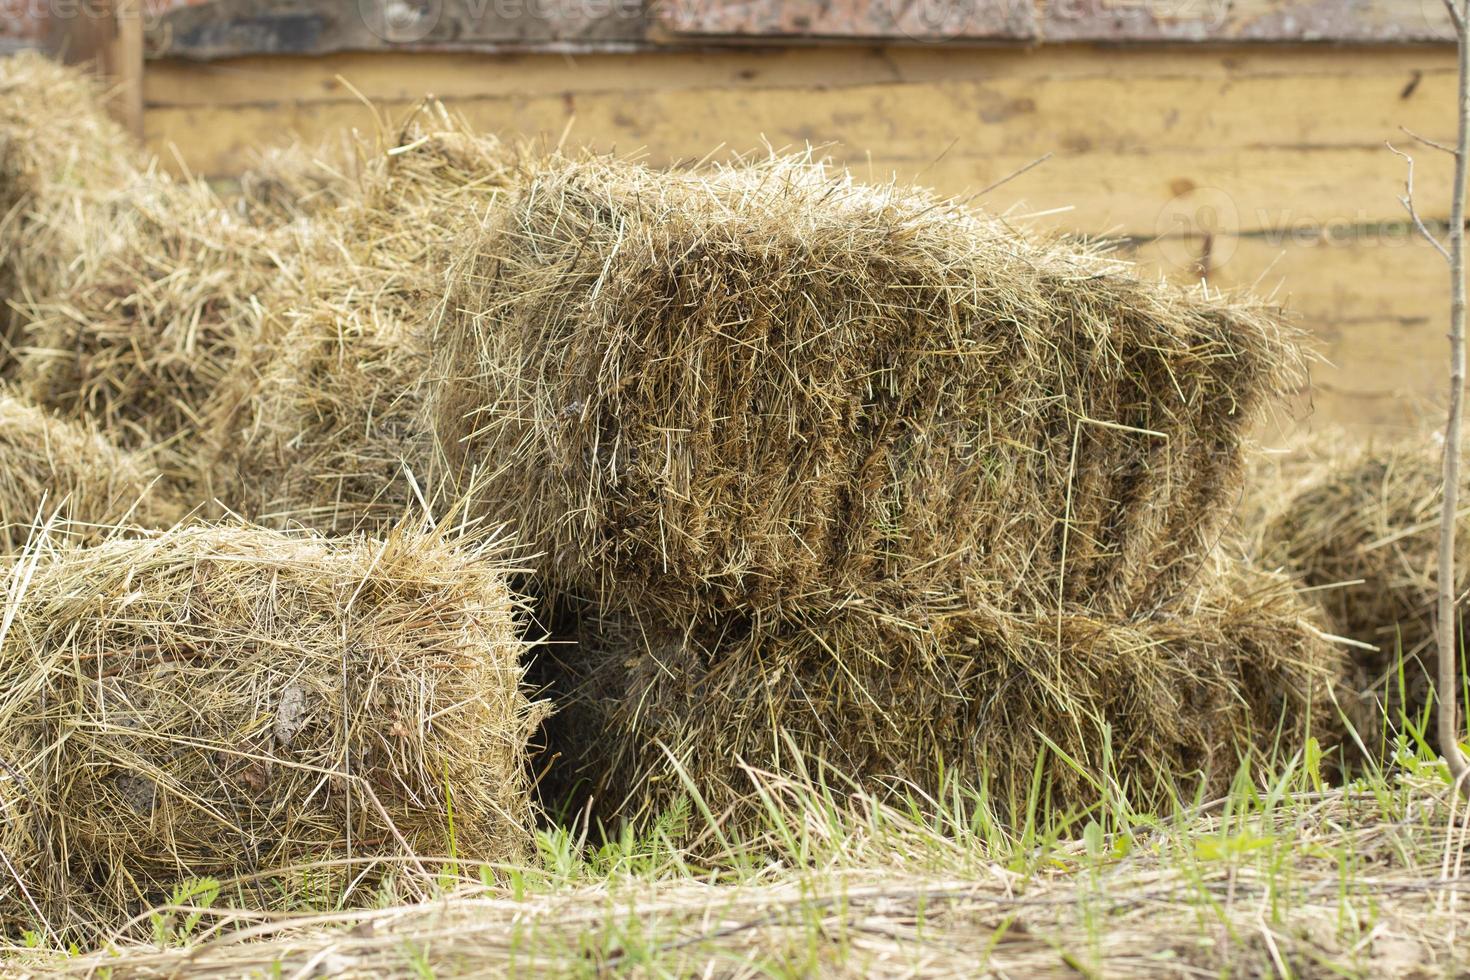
[
  {"x": 1408, "y": 202},
  {"x": 1448, "y": 619}
]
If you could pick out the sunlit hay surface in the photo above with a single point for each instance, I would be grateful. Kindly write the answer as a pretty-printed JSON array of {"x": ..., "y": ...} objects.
[
  {"x": 762, "y": 387},
  {"x": 325, "y": 424},
  {"x": 225, "y": 700},
  {"x": 904, "y": 689},
  {"x": 50, "y": 466},
  {"x": 59, "y": 151},
  {"x": 1361, "y": 528}
]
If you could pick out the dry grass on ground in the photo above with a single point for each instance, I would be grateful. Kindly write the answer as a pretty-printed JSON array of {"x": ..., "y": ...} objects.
[{"x": 1284, "y": 879}]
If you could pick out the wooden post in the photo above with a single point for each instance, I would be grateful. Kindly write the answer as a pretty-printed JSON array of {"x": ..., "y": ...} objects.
[{"x": 107, "y": 34}]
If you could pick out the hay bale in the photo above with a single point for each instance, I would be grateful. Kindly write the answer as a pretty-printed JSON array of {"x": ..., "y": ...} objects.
[
  {"x": 902, "y": 688},
  {"x": 59, "y": 153},
  {"x": 768, "y": 386},
  {"x": 326, "y": 428},
  {"x": 1361, "y": 528},
  {"x": 330, "y": 437},
  {"x": 218, "y": 701},
  {"x": 154, "y": 319},
  {"x": 49, "y": 466}
]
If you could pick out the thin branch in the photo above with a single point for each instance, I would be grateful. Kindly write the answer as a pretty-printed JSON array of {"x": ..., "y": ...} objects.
[
  {"x": 1457, "y": 18},
  {"x": 1447, "y": 627},
  {"x": 1408, "y": 202},
  {"x": 1432, "y": 144}
]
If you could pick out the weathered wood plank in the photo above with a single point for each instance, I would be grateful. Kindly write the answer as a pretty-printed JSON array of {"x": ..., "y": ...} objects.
[
  {"x": 1137, "y": 153},
  {"x": 402, "y": 76},
  {"x": 927, "y": 21},
  {"x": 1245, "y": 20},
  {"x": 228, "y": 28},
  {"x": 243, "y": 27},
  {"x": 1058, "y": 20}
]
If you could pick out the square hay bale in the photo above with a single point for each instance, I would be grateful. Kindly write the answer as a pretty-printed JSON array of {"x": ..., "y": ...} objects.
[
  {"x": 325, "y": 426},
  {"x": 51, "y": 466},
  {"x": 220, "y": 701},
  {"x": 1361, "y": 529},
  {"x": 768, "y": 386},
  {"x": 895, "y": 690}
]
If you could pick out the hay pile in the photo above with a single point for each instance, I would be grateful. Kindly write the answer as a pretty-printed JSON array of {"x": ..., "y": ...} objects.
[
  {"x": 59, "y": 153},
  {"x": 49, "y": 466},
  {"x": 897, "y": 692},
  {"x": 327, "y": 428},
  {"x": 1362, "y": 530},
  {"x": 761, "y": 389},
  {"x": 222, "y": 700},
  {"x": 870, "y": 471},
  {"x": 148, "y": 329}
]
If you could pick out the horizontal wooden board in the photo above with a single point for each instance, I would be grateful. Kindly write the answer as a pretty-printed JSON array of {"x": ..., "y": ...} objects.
[
  {"x": 734, "y": 20},
  {"x": 1245, "y": 20},
  {"x": 1244, "y": 167},
  {"x": 397, "y": 76},
  {"x": 204, "y": 29}
]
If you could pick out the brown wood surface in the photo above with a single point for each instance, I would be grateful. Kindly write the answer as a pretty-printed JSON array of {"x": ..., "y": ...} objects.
[
  {"x": 229, "y": 28},
  {"x": 926, "y": 21},
  {"x": 108, "y": 35}
]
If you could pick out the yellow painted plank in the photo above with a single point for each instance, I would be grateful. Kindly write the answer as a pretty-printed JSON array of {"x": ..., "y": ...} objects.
[
  {"x": 397, "y": 76},
  {"x": 1163, "y": 191},
  {"x": 1134, "y": 153}
]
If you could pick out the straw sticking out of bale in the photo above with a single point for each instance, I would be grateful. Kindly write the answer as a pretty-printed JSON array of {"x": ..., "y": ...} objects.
[
  {"x": 59, "y": 151},
  {"x": 902, "y": 688},
  {"x": 50, "y": 466},
  {"x": 1362, "y": 530},
  {"x": 325, "y": 425},
  {"x": 218, "y": 701},
  {"x": 768, "y": 386},
  {"x": 148, "y": 331}
]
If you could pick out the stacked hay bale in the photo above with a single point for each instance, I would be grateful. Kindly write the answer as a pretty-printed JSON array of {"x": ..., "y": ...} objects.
[
  {"x": 1361, "y": 529},
  {"x": 221, "y": 700},
  {"x": 890, "y": 694},
  {"x": 52, "y": 467},
  {"x": 325, "y": 429},
  {"x": 848, "y": 449},
  {"x": 59, "y": 155}
]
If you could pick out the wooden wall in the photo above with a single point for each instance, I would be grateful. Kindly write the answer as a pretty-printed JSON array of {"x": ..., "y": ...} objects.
[{"x": 1254, "y": 166}]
